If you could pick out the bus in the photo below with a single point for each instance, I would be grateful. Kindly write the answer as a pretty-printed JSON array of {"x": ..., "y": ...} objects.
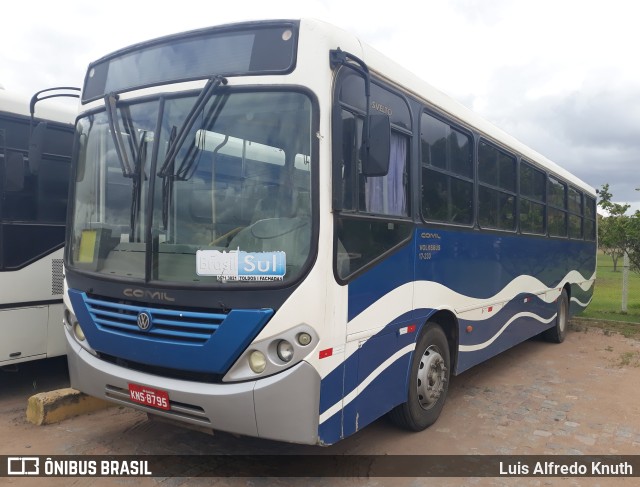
[
  {"x": 276, "y": 231},
  {"x": 35, "y": 157}
]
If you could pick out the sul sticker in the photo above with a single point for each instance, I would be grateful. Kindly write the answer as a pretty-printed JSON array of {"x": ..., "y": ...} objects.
[{"x": 237, "y": 265}]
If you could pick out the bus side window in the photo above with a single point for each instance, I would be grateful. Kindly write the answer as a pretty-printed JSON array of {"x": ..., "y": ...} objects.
[
  {"x": 447, "y": 172},
  {"x": 351, "y": 128},
  {"x": 13, "y": 172},
  {"x": 497, "y": 188},
  {"x": 361, "y": 241},
  {"x": 18, "y": 189},
  {"x": 53, "y": 184},
  {"x": 557, "y": 211}
]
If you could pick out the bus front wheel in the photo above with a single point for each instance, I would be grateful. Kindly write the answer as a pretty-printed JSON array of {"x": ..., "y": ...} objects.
[{"x": 428, "y": 381}]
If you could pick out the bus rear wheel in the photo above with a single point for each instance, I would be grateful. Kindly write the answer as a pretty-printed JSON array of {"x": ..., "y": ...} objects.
[
  {"x": 558, "y": 333},
  {"x": 428, "y": 382}
]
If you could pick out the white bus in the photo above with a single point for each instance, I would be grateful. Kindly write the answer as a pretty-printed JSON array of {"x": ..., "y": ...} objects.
[
  {"x": 33, "y": 206},
  {"x": 278, "y": 232}
]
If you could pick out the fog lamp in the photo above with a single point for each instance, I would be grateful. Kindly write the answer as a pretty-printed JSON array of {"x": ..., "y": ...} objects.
[
  {"x": 257, "y": 361},
  {"x": 77, "y": 331}
]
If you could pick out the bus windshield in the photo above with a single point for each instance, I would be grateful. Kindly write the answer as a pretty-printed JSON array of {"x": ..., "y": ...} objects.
[{"x": 233, "y": 205}]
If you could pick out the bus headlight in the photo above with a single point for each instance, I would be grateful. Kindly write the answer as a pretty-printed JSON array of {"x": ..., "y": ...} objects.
[
  {"x": 285, "y": 351},
  {"x": 304, "y": 339},
  {"x": 68, "y": 318},
  {"x": 71, "y": 322},
  {"x": 274, "y": 354},
  {"x": 75, "y": 330},
  {"x": 257, "y": 361}
]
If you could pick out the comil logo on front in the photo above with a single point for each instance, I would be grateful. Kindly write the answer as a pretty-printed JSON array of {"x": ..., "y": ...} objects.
[{"x": 23, "y": 466}]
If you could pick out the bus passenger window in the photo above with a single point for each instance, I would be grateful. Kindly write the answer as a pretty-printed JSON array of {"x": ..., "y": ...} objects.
[
  {"x": 532, "y": 199},
  {"x": 557, "y": 212},
  {"x": 497, "y": 189},
  {"x": 589, "y": 218},
  {"x": 575, "y": 214},
  {"x": 447, "y": 172}
]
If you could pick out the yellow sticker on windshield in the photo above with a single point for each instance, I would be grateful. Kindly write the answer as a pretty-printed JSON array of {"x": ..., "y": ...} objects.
[{"x": 87, "y": 245}]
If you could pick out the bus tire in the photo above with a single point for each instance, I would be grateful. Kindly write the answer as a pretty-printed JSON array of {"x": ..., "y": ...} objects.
[
  {"x": 558, "y": 333},
  {"x": 428, "y": 381}
]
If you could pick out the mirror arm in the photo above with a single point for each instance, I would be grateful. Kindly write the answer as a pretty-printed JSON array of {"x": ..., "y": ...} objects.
[
  {"x": 338, "y": 57},
  {"x": 36, "y": 98}
]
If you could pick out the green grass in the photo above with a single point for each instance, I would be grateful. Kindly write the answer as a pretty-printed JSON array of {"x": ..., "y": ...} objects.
[
  {"x": 608, "y": 327},
  {"x": 607, "y": 296}
]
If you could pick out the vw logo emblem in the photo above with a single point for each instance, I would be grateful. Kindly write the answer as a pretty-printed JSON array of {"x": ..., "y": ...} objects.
[{"x": 144, "y": 321}]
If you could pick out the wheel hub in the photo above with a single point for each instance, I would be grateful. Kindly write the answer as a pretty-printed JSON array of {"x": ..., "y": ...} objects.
[{"x": 431, "y": 377}]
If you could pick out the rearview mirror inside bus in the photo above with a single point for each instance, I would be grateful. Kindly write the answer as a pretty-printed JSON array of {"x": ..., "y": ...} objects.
[{"x": 376, "y": 161}]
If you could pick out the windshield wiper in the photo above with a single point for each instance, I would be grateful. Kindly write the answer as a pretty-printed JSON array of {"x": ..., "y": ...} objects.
[
  {"x": 111, "y": 105},
  {"x": 138, "y": 177},
  {"x": 188, "y": 166},
  {"x": 172, "y": 151},
  {"x": 167, "y": 184}
]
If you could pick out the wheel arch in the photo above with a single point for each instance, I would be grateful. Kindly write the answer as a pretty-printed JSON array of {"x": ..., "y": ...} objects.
[
  {"x": 448, "y": 321},
  {"x": 567, "y": 288}
]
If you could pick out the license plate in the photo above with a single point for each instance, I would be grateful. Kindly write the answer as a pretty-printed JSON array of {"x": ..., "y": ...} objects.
[{"x": 149, "y": 396}]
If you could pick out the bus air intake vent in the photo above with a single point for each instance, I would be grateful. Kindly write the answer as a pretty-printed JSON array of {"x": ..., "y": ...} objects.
[
  {"x": 57, "y": 277},
  {"x": 166, "y": 325}
]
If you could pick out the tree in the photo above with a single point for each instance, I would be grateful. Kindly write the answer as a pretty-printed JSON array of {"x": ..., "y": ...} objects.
[
  {"x": 614, "y": 228},
  {"x": 633, "y": 242}
]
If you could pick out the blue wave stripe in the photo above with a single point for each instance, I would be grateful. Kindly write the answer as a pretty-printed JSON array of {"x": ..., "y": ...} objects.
[
  {"x": 486, "y": 329},
  {"x": 472, "y": 264},
  {"x": 468, "y": 263}
]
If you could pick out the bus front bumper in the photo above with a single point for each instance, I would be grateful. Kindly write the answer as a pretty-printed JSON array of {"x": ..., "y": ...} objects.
[{"x": 281, "y": 407}]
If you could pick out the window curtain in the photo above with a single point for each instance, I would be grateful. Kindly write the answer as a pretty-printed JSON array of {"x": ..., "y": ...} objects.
[{"x": 387, "y": 194}]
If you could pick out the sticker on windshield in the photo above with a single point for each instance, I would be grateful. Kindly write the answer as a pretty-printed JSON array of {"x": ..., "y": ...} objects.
[{"x": 237, "y": 265}]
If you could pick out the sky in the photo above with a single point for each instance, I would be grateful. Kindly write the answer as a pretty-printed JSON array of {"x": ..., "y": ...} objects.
[{"x": 562, "y": 76}]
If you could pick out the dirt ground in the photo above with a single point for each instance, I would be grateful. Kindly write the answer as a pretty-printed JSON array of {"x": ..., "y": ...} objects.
[{"x": 581, "y": 397}]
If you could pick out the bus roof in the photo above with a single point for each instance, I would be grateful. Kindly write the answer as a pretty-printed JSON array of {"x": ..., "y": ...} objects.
[
  {"x": 389, "y": 70},
  {"x": 316, "y": 31}
]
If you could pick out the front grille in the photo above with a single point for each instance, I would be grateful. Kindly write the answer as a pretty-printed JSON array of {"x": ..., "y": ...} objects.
[{"x": 167, "y": 325}]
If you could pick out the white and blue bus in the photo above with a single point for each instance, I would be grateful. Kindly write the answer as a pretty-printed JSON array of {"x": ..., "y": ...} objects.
[
  {"x": 276, "y": 231},
  {"x": 35, "y": 161}
]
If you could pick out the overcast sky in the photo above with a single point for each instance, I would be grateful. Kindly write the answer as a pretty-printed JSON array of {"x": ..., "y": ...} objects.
[{"x": 562, "y": 76}]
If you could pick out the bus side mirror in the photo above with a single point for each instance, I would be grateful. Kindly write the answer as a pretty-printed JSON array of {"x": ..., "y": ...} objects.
[
  {"x": 14, "y": 171},
  {"x": 36, "y": 143},
  {"x": 375, "y": 161}
]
